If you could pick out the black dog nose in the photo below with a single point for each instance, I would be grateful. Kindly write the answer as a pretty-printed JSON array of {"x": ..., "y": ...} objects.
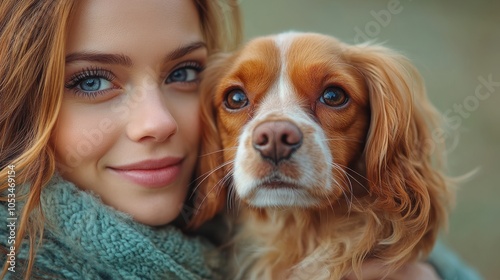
[{"x": 276, "y": 140}]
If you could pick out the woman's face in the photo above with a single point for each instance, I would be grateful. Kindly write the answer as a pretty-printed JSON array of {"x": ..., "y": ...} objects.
[{"x": 128, "y": 127}]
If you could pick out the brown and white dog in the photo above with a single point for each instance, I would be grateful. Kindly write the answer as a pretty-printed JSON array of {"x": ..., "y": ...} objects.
[{"x": 327, "y": 146}]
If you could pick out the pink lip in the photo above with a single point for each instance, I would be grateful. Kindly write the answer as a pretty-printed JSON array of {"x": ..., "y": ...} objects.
[{"x": 151, "y": 173}]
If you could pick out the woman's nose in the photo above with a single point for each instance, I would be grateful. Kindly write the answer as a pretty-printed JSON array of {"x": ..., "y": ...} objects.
[{"x": 150, "y": 118}]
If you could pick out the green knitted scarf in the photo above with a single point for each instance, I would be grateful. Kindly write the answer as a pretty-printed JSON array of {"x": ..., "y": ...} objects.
[{"x": 85, "y": 239}]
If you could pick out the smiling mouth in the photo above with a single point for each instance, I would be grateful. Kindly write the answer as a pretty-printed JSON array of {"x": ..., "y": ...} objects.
[
  {"x": 151, "y": 174},
  {"x": 151, "y": 178}
]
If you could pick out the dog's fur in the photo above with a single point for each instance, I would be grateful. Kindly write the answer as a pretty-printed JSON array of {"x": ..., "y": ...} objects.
[{"x": 361, "y": 184}]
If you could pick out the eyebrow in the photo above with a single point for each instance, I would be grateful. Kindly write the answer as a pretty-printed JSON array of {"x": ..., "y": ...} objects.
[
  {"x": 99, "y": 57},
  {"x": 184, "y": 50},
  {"x": 124, "y": 60}
]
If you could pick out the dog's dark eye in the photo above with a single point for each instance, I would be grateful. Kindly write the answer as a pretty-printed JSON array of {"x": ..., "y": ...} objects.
[
  {"x": 334, "y": 97},
  {"x": 236, "y": 99}
]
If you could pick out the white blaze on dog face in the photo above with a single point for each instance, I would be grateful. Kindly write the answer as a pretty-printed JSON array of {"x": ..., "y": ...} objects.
[
  {"x": 284, "y": 83},
  {"x": 281, "y": 103}
]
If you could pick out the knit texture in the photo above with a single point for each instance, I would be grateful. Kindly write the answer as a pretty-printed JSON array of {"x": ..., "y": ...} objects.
[
  {"x": 85, "y": 239},
  {"x": 450, "y": 266}
]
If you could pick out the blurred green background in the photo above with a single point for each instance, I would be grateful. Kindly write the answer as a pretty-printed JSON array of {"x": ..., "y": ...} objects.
[{"x": 456, "y": 47}]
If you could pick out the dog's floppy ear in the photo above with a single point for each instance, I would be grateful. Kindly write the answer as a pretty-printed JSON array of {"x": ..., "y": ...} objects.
[
  {"x": 210, "y": 192},
  {"x": 400, "y": 150}
]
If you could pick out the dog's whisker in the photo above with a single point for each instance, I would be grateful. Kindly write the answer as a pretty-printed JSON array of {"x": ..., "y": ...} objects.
[
  {"x": 340, "y": 138},
  {"x": 338, "y": 184},
  {"x": 206, "y": 175},
  {"x": 352, "y": 170},
  {"x": 351, "y": 192},
  {"x": 231, "y": 195},
  {"x": 349, "y": 184},
  {"x": 219, "y": 151},
  {"x": 344, "y": 193},
  {"x": 330, "y": 204},
  {"x": 349, "y": 176},
  {"x": 217, "y": 186},
  {"x": 224, "y": 182}
]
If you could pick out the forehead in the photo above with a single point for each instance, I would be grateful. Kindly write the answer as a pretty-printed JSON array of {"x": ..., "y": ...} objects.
[{"x": 131, "y": 26}]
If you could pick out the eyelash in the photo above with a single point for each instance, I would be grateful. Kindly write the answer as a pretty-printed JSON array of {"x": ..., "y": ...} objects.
[
  {"x": 87, "y": 73},
  {"x": 197, "y": 66}
]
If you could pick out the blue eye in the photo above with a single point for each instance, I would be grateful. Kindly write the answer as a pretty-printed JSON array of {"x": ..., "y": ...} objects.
[
  {"x": 91, "y": 82},
  {"x": 185, "y": 74},
  {"x": 94, "y": 84}
]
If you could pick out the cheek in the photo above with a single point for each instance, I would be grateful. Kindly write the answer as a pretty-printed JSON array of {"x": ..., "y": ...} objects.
[
  {"x": 81, "y": 135},
  {"x": 186, "y": 114},
  {"x": 347, "y": 133},
  {"x": 230, "y": 130}
]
